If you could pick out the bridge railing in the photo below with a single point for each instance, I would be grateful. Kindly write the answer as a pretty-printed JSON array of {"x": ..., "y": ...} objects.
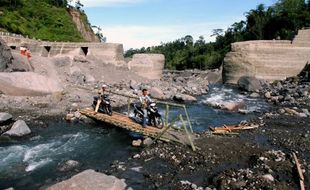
[{"x": 186, "y": 123}]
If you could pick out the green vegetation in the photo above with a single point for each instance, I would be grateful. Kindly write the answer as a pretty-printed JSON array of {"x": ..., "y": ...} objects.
[
  {"x": 280, "y": 21},
  {"x": 45, "y": 19}
]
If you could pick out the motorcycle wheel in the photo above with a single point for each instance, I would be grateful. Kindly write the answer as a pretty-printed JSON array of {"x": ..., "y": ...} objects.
[
  {"x": 159, "y": 122},
  {"x": 137, "y": 116},
  {"x": 109, "y": 110}
]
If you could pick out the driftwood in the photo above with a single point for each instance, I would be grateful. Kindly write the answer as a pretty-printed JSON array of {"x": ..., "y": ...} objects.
[
  {"x": 300, "y": 173},
  {"x": 231, "y": 128}
]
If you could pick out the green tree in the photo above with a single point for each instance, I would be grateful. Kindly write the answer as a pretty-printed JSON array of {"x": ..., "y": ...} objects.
[{"x": 256, "y": 21}]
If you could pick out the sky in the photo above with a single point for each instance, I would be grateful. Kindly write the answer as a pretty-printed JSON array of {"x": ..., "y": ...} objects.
[{"x": 145, "y": 23}]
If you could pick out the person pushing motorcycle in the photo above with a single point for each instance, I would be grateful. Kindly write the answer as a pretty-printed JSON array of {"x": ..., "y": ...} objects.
[{"x": 145, "y": 100}]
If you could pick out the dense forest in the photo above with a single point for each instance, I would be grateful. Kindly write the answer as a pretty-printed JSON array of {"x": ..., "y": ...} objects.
[
  {"x": 44, "y": 19},
  {"x": 280, "y": 21}
]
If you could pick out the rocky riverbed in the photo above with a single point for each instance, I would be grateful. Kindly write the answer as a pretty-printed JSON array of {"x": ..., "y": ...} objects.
[
  {"x": 256, "y": 159},
  {"x": 260, "y": 158},
  {"x": 252, "y": 159}
]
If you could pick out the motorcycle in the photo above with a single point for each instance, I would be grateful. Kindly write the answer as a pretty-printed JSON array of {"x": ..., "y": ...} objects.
[
  {"x": 153, "y": 116},
  {"x": 105, "y": 105}
]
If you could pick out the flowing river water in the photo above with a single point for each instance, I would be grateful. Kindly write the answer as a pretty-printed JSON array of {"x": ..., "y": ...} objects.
[{"x": 32, "y": 162}]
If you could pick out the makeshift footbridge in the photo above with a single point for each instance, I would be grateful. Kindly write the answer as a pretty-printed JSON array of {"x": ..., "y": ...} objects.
[{"x": 169, "y": 133}]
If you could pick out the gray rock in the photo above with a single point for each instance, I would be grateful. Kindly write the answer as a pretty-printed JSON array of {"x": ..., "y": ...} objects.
[
  {"x": 147, "y": 142},
  {"x": 81, "y": 59},
  {"x": 288, "y": 97},
  {"x": 62, "y": 61},
  {"x": 239, "y": 184},
  {"x": 134, "y": 84},
  {"x": 268, "y": 177},
  {"x": 78, "y": 78},
  {"x": 232, "y": 106},
  {"x": 68, "y": 165},
  {"x": 306, "y": 111},
  {"x": 184, "y": 98},
  {"x": 250, "y": 84},
  {"x": 136, "y": 143},
  {"x": 19, "y": 128},
  {"x": 77, "y": 114},
  {"x": 90, "y": 78},
  {"x": 4, "y": 117},
  {"x": 302, "y": 115},
  {"x": 281, "y": 111},
  {"x": 254, "y": 95},
  {"x": 194, "y": 186},
  {"x": 215, "y": 77},
  {"x": 157, "y": 93},
  {"x": 136, "y": 156},
  {"x": 89, "y": 179},
  {"x": 268, "y": 95},
  {"x": 5, "y": 56}
]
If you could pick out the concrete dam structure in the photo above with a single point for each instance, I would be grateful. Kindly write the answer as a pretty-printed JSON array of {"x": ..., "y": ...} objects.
[
  {"x": 106, "y": 52},
  {"x": 267, "y": 59},
  {"x": 149, "y": 66}
]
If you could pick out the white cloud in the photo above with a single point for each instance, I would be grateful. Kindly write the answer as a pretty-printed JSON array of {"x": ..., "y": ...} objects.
[
  {"x": 108, "y": 3},
  {"x": 146, "y": 36}
]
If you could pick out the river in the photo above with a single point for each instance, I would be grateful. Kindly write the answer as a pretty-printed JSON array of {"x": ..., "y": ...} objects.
[{"x": 31, "y": 162}]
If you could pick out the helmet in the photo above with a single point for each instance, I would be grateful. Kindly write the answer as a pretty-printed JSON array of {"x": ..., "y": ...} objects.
[{"x": 104, "y": 86}]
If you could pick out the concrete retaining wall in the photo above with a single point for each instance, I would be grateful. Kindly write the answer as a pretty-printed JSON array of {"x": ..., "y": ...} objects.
[
  {"x": 105, "y": 52},
  {"x": 149, "y": 66},
  {"x": 268, "y": 60}
]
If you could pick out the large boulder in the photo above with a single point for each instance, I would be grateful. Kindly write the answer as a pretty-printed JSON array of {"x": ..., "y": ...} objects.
[
  {"x": 20, "y": 63},
  {"x": 19, "y": 128},
  {"x": 157, "y": 93},
  {"x": 232, "y": 106},
  {"x": 184, "y": 98},
  {"x": 215, "y": 76},
  {"x": 89, "y": 179},
  {"x": 4, "y": 117},
  {"x": 28, "y": 84},
  {"x": 250, "y": 84},
  {"x": 5, "y": 56}
]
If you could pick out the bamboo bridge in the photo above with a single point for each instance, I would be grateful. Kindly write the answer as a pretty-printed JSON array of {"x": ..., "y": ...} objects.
[{"x": 169, "y": 133}]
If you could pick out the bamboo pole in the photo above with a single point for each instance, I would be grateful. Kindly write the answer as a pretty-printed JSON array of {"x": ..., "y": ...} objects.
[
  {"x": 301, "y": 175},
  {"x": 165, "y": 130},
  {"x": 187, "y": 133},
  {"x": 167, "y": 115},
  {"x": 128, "y": 106},
  {"x": 188, "y": 120},
  {"x": 157, "y": 100}
]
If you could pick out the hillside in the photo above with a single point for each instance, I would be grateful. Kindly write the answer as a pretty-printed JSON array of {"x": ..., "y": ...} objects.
[{"x": 45, "y": 20}]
